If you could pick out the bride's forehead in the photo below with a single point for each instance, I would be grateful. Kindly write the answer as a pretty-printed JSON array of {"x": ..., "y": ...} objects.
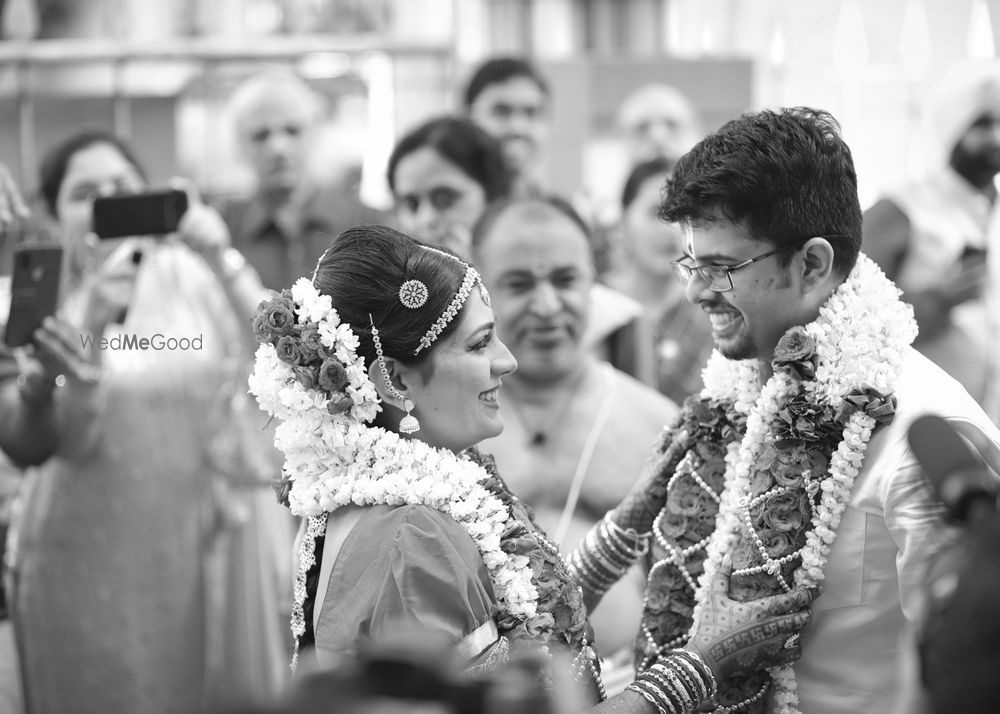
[{"x": 477, "y": 309}]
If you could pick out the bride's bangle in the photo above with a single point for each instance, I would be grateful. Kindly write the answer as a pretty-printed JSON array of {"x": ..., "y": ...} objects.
[
  {"x": 607, "y": 551},
  {"x": 639, "y": 541},
  {"x": 678, "y": 683}
]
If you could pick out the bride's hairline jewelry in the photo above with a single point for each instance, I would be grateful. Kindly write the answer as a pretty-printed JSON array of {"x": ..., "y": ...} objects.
[{"x": 470, "y": 281}]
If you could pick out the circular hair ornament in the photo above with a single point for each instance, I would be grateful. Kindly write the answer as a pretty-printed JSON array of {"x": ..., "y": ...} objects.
[{"x": 413, "y": 294}]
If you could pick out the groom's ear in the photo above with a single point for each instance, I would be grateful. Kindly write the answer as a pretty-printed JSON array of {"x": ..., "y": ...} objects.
[{"x": 817, "y": 260}]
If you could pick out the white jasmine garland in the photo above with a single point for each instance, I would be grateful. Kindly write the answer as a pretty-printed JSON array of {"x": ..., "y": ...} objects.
[
  {"x": 861, "y": 333},
  {"x": 336, "y": 459}
]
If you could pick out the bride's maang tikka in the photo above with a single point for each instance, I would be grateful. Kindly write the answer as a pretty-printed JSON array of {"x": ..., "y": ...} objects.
[{"x": 469, "y": 283}]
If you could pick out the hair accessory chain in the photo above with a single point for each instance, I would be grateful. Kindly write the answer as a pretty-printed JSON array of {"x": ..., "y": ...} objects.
[{"x": 408, "y": 424}]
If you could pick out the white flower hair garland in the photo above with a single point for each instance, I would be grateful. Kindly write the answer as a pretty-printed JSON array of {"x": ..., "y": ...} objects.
[
  {"x": 849, "y": 359},
  {"x": 308, "y": 375}
]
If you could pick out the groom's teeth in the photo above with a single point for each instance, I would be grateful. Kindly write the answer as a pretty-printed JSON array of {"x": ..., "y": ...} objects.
[{"x": 721, "y": 320}]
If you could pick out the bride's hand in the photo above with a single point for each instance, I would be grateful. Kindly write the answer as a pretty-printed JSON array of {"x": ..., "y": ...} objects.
[
  {"x": 647, "y": 497},
  {"x": 741, "y": 637}
]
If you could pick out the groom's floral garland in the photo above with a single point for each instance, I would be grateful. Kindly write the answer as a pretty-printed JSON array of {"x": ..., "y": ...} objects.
[
  {"x": 309, "y": 376},
  {"x": 777, "y": 464}
]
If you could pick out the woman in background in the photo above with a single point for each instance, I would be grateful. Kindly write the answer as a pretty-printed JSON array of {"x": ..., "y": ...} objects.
[
  {"x": 442, "y": 175},
  {"x": 682, "y": 337},
  {"x": 127, "y": 595}
]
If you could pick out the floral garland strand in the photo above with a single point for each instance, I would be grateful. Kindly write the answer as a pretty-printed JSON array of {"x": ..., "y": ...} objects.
[
  {"x": 308, "y": 375},
  {"x": 793, "y": 448}
]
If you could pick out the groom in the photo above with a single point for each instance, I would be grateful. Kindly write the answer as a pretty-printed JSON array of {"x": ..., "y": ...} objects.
[{"x": 798, "y": 441}]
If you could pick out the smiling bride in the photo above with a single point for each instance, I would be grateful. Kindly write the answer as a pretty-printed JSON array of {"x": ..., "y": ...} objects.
[{"x": 384, "y": 372}]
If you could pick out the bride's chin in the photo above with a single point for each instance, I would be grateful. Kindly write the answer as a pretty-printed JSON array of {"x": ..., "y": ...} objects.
[{"x": 495, "y": 430}]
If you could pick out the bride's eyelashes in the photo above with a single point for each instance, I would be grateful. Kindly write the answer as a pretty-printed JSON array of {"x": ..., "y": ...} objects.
[{"x": 483, "y": 343}]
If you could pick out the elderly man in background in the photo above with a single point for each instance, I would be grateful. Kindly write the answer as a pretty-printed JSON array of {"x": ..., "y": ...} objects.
[
  {"x": 930, "y": 236},
  {"x": 577, "y": 430},
  {"x": 658, "y": 121},
  {"x": 288, "y": 222}
]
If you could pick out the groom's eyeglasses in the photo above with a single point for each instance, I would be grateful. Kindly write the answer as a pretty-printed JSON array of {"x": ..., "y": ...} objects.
[{"x": 719, "y": 277}]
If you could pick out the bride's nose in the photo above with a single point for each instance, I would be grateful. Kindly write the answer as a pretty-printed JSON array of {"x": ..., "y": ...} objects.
[{"x": 504, "y": 362}]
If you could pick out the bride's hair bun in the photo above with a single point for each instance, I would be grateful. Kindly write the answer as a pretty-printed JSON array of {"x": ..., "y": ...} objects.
[{"x": 363, "y": 271}]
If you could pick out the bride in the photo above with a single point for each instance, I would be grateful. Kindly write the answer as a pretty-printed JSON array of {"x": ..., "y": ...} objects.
[{"x": 384, "y": 372}]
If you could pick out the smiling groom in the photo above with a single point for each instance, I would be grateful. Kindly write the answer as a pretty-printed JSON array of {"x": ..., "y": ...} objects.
[{"x": 793, "y": 461}]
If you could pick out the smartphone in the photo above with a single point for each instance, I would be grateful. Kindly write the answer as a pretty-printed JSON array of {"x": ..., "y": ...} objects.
[
  {"x": 142, "y": 214},
  {"x": 34, "y": 291}
]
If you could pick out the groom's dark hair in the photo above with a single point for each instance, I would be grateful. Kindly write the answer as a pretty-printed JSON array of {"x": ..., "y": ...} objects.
[{"x": 786, "y": 175}]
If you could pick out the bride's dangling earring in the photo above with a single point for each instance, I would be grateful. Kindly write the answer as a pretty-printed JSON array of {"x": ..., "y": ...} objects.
[{"x": 408, "y": 424}]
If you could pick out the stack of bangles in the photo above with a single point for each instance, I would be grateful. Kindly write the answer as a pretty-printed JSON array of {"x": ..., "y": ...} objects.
[
  {"x": 605, "y": 554},
  {"x": 678, "y": 683}
]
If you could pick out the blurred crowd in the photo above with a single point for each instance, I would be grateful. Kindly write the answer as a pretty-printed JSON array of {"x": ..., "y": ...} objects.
[{"x": 141, "y": 530}]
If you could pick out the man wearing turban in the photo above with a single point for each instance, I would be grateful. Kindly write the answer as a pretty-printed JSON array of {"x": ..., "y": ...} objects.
[{"x": 931, "y": 235}]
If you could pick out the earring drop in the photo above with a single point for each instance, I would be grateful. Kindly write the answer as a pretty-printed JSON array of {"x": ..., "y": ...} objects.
[{"x": 409, "y": 423}]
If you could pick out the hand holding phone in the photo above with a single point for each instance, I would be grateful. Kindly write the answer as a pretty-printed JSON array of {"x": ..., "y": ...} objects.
[
  {"x": 142, "y": 214},
  {"x": 202, "y": 229},
  {"x": 109, "y": 289},
  {"x": 59, "y": 350},
  {"x": 34, "y": 291}
]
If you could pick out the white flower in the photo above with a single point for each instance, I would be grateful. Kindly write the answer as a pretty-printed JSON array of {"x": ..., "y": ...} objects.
[{"x": 347, "y": 338}]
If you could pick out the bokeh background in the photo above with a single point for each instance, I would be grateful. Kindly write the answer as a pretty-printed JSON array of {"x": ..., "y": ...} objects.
[{"x": 159, "y": 71}]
